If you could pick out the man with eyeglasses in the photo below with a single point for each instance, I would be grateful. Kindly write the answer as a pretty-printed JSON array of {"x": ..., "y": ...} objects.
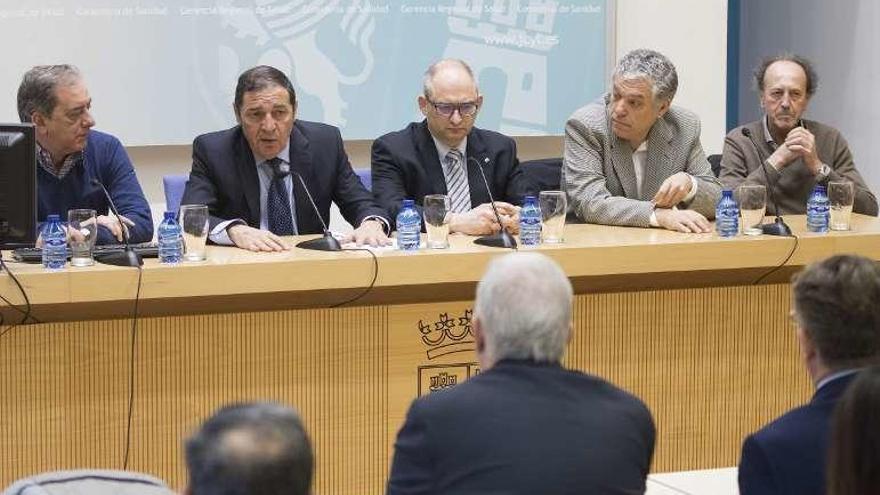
[
  {"x": 632, "y": 158},
  {"x": 443, "y": 155},
  {"x": 251, "y": 176},
  {"x": 70, "y": 155},
  {"x": 796, "y": 153}
]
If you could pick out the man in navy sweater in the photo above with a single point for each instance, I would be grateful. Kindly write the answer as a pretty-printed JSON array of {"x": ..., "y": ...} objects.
[
  {"x": 71, "y": 156},
  {"x": 837, "y": 316}
]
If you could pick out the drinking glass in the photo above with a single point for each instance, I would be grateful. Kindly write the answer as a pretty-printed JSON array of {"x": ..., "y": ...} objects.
[
  {"x": 436, "y": 210},
  {"x": 840, "y": 199},
  {"x": 553, "y": 206},
  {"x": 752, "y": 207},
  {"x": 82, "y": 232},
  {"x": 194, "y": 223}
]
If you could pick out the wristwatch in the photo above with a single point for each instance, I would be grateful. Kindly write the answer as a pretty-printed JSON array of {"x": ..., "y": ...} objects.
[{"x": 824, "y": 172}]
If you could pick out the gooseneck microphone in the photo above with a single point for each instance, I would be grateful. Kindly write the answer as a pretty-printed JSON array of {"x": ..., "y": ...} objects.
[
  {"x": 778, "y": 227},
  {"x": 128, "y": 257},
  {"x": 326, "y": 243},
  {"x": 502, "y": 239}
]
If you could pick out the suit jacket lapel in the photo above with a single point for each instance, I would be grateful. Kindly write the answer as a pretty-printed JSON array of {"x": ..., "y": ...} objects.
[
  {"x": 657, "y": 166},
  {"x": 301, "y": 162},
  {"x": 430, "y": 160},
  {"x": 247, "y": 175},
  {"x": 476, "y": 149}
]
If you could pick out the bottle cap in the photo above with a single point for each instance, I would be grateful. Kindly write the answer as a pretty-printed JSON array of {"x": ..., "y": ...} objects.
[
  {"x": 170, "y": 215},
  {"x": 408, "y": 203},
  {"x": 53, "y": 218}
]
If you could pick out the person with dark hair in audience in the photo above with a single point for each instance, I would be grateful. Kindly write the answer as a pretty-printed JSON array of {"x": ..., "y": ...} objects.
[
  {"x": 854, "y": 459},
  {"x": 70, "y": 155},
  {"x": 524, "y": 424},
  {"x": 795, "y": 153},
  {"x": 837, "y": 315},
  {"x": 256, "y": 448},
  {"x": 247, "y": 175}
]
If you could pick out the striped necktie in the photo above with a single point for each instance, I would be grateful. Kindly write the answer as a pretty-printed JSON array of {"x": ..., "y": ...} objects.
[
  {"x": 280, "y": 217},
  {"x": 456, "y": 182}
]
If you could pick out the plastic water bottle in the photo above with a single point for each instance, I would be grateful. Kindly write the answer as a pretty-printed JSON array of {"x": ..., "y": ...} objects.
[
  {"x": 170, "y": 239},
  {"x": 54, "y": 244},
  {"x": 409, "y": 226},
  {"x": 530, "y": 222},
  {"x": 727, "y": 215},
  {"x": 817, "y": 210}
]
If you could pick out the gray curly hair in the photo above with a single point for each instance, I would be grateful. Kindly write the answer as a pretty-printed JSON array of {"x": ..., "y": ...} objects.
[{"x": 654, "y": 66}]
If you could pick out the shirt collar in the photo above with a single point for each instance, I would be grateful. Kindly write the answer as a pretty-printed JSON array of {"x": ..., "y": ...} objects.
[
  {"x": 44, "y": 159},
  {"x": 442, "y": 149},
  {"x": 284, "y": 155},
  {"x": 767, "y": 137},
  {"x": 642, "y": 147},
  {"x": 834, "y": 376}
]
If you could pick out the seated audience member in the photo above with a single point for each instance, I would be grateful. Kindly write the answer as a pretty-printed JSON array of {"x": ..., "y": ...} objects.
[
  {"x": 796, "y": 153},
  {"x": 70, "y": 155},
  {"x": 258, "y": 448},
  {"x": 524, "y": 424},
  {"x": 631, "y": 158},
  {"x": 855, "y": 439},
  {"x": 247, "y": 175},
  {"x": 837, "y": 315},
  {"x": 443, "y": 153}
]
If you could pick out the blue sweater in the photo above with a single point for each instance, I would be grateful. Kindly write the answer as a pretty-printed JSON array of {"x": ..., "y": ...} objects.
[{"x": 106, "y": 160}]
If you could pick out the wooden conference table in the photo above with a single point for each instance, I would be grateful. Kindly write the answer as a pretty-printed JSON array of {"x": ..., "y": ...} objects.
[{"x": 676, "y": 319}]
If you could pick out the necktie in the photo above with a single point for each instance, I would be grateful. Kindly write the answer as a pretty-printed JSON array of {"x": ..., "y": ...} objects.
[
  {"x": 277, "y": 202},
  {"x": 456, "y": 182}
]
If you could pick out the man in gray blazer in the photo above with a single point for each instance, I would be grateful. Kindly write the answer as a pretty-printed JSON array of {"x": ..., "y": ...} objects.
[{"x": 631, "y": 158}]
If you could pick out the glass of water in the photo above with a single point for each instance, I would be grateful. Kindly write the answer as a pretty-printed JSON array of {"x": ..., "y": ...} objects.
[
  {"x": 553, "y": 206},
  {"x": 840, "y": 199},
  {"x": 752, "y": 207},
  {"x": 436, "y": 211},
  {"x": 194, "y": 223},
  {"x": 82, "y": 232}
]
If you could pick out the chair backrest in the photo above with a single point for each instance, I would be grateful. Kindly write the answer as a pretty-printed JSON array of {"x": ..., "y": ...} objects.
[
  {"x": 174, "y": 185},
  {"x": 89, "y": 482},
  {"x": 715, "y": 162},
  {"x": 366, "y": 177},
  {"x": 544, "y": 174}
]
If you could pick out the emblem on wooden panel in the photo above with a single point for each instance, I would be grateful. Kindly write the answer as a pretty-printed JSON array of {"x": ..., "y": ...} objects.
[
  {"x": 438, "y": 377},
  {"x": 449, "y": 334}
]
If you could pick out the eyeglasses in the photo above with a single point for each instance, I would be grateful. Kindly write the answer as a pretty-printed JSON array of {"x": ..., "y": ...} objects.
[{"x": 465, "y": 109}]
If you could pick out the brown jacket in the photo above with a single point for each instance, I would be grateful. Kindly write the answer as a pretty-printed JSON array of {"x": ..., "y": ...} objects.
[{"x": 741, "y": 164}]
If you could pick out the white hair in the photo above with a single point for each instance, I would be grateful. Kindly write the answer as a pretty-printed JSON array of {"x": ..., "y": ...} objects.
[
  {"x": 524, "y": 308},
  {"x": 653, "y": 66}
]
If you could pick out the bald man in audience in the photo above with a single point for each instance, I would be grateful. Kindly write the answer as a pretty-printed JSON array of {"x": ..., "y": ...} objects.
[{"x": 257, "y": 448}]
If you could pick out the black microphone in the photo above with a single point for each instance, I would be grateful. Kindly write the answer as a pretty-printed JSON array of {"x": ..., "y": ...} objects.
[
  {"x": 778, "y": 227},
  {"x": 326, "y": 243},
  {"x": 502, "y": 239},
  {"x": 128, "y": 257}
]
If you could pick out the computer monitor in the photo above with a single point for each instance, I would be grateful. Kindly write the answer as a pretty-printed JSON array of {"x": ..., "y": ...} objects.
[{"x": 18, "y": 186}]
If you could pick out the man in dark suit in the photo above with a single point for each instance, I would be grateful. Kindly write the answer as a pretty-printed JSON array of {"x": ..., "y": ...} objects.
[
  {"x": 837, "y": 315},
  {"x": 525, "y": 424},
  {"x": 443, "y": 154},
  {"x": 248, "y": 174}
]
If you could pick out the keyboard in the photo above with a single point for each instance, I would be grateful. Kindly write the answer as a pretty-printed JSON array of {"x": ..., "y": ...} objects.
[{"x": 35, "y": 255}]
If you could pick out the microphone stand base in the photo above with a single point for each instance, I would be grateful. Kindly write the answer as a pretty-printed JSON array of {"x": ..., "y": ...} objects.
[
  {"x": 502, "y": 239},
  {"x": 326, "y": 243},
  {"x": 776, "y": 228},
  {"x": 125, "y": 258}
]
